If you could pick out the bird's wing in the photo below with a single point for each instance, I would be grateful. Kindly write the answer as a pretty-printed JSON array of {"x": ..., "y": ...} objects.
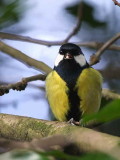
[
  {"x": 89, "y": 90},
  {"x": 56, "y": 90}
]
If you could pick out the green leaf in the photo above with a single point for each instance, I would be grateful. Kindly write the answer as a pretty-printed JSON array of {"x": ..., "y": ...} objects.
[
  {"x": 105, "y": 101},
  {"x": 88, "y": 156},
  {"x": 110, "y": 112},
  {"x": 23, "y": 155},
  {"x": 32, "y": 155},
  {"x": 87, "y": 14},
  {"x": 96, "y": 156},
  {"x": 10, "y": 12}
]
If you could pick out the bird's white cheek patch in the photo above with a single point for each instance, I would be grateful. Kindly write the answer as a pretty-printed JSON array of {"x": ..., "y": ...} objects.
[
  {"x": 80, "y": 59},
  {"x": 58, "y": 59}
]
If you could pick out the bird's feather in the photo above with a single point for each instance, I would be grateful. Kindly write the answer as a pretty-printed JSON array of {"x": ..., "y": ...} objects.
[
  {"x": 56, "y": 90},
  {"x": 89, "y": 90}
]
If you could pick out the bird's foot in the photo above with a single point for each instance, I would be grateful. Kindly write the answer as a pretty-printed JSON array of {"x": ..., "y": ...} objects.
[{"x": 73, "y": 122}]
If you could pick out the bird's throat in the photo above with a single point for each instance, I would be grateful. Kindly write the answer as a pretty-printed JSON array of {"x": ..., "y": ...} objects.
[{"x": 69, "y": 71}]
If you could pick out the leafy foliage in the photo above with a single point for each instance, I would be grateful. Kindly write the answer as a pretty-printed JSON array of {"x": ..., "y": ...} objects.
[
  {"x": 87, "y": 15},
  {"x": 88, "y": 156},
  {"x": 105, "y": 101},
  {"x": 10, "y": 12},
  {"x": 32, "y": 155},
  {"x": 110, "y": 112}
]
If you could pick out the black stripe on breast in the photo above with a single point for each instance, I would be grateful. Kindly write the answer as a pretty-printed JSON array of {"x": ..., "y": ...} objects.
[
  {"x": 74, "y": 101},
  {"x": 69, "y": 71}
]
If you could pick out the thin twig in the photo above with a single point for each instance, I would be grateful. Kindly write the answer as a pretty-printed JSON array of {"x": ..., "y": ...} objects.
[
  {"x": 48, "y": 43},
  {"x": 108, "y": 94},
  {"x": 29, "y": 61},
  {"x": 94, "y": 45},
  {"x": 111, "y": 71},
  {"x": 96, "y": 57},
  {"x": 20, "y": 56},
  {"x": 34, "y": 78},
  {"x": 78, "y": 24},
  {"x": 28, "y": 39},
  {"x": 20, "y": 85},
  {"x": 97, "y": 45},
  {"x": 116, "y": 2}
]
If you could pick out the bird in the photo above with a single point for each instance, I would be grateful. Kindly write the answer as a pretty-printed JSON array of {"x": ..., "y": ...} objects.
[{"x": 73, "y": 87}]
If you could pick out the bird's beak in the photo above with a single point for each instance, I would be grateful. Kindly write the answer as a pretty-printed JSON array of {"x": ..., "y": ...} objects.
[{"x": 68, "y": 56}]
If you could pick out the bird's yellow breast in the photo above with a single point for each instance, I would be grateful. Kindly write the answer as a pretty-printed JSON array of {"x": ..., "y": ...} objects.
[
  {"x": 88, "y": 86},
  {"x": 56, "y": 90}
]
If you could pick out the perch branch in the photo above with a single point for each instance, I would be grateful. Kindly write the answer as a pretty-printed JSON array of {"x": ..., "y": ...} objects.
[
  {"x": 24, "y": 58},
  {"x": 116, "y": 2},
  {"x": 20, "y": 85},
  {"x": 96, "y": 57},
  {"x": 25, "y": 128}
]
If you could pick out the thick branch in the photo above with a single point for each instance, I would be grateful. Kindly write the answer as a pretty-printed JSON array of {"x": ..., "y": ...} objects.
[
  {"x": 24, "y": 58},
  {"x": 20, "y": 85},
  {"x": 96, "y": 57},
  {"x": 45, "y": 144},
  {"x": 25, "y": 128}
]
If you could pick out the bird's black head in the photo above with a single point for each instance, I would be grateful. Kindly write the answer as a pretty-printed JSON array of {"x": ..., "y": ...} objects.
[
  {"x": 69, "y": 63},
  {"x": 70, "y": 52},
  {"x": 70, "y": 49}
]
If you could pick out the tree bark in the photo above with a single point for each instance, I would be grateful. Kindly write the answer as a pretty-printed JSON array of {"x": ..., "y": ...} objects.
[{"x": 25, "y": 129}]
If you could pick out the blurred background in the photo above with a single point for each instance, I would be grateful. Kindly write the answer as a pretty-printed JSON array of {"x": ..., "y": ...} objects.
[{"x": 53, "y": 20}]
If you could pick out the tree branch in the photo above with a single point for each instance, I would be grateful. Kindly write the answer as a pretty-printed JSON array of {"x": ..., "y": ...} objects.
[
  {"x": 48, "y": 43},
  {"x": 93, "y": 45},
  {"x": 96, "y": 57},
  {"x": 116, "y": 2},
  {"x": 25, "y": 128},
  {"x": 28, "y": 39},
  {"x": 45, "y": 144},
  {"x": 20, "y": 85},
  {"x": 24, "y": 58},
  {"x": 97, "y": 45},
  {"x": 78, "y": 24},
  {"x": 108, "y": 94}
]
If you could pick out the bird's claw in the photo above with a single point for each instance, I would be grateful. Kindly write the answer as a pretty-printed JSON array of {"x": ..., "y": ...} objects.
[{"x": 73, "y": 122}]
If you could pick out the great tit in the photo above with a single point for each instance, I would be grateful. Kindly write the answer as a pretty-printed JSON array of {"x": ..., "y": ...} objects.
[{"x": 73, "y": 88}]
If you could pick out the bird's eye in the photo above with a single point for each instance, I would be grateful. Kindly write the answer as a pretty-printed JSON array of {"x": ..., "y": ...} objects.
[{"x": 61, "y": 52}]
